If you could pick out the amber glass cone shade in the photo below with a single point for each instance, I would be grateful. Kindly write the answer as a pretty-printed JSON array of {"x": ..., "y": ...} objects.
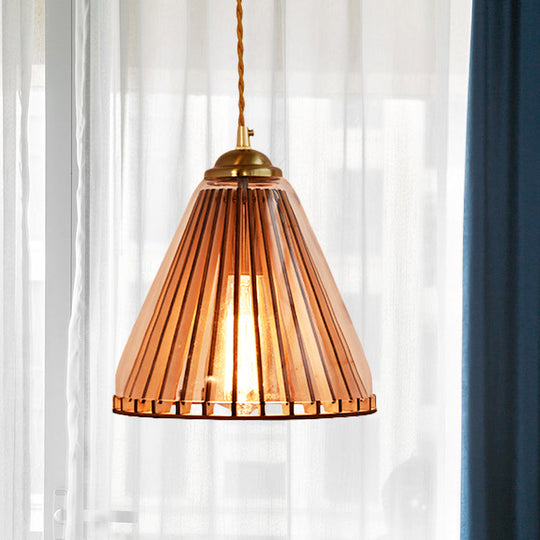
[{"x": 244, "y": 319}]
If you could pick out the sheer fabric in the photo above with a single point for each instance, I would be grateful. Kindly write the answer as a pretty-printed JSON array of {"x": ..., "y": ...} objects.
[
  {"x": 363, "y": 107},
  {"x": 21, "y": 277}
]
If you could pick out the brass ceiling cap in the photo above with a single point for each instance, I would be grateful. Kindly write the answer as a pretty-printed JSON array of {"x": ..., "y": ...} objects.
[{"x": 243, "y": 161}]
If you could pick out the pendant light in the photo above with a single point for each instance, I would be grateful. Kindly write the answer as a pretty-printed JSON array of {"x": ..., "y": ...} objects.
[{"x": 244, "y": 319}]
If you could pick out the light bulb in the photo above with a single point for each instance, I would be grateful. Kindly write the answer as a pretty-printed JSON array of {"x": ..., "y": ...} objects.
[{"x": 247, "y": 380}]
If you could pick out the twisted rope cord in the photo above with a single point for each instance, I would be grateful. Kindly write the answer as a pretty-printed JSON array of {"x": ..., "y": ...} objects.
[{"x": 240, "y": 49}]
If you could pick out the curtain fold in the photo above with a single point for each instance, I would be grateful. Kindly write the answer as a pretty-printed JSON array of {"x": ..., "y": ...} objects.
[
  {"x": 363, "y": 107},
  {"x": 16, "y": 20},
  {"x": 501, "y": 375}
]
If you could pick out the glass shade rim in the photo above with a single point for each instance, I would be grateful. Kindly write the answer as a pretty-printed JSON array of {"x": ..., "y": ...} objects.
[{"x": 364, "y": 406}]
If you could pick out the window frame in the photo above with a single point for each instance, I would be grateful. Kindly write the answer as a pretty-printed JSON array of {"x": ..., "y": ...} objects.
[{"x": 60, "y": 223}]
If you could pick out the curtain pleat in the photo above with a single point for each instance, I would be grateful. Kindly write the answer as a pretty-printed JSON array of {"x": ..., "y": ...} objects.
[
  {"x": 77, "y": 367},
  {"x": 362, "y": 105},
  {"x": 16, "y": 19}
]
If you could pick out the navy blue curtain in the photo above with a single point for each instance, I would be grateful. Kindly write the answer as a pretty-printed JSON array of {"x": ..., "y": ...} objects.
[{"x": 501, "y": 374}]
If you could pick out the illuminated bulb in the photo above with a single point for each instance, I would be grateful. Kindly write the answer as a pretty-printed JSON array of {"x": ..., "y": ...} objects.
[{"x": 247, "y": 380}]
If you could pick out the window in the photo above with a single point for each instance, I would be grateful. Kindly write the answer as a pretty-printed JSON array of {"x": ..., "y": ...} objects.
[{"x": 366, "y": 120}]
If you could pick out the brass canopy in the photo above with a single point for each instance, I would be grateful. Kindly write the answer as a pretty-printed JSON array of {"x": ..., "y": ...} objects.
[{"x": 243, "y": 161}]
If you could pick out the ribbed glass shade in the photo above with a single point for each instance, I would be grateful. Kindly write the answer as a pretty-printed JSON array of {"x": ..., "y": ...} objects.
[{"x": 244, "y": 319}]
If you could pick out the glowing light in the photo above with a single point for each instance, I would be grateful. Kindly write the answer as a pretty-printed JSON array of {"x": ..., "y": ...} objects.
[{"x": 247, "y": 380}]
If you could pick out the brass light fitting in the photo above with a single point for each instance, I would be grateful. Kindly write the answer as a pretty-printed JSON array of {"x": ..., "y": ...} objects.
[{"x": 243, "y": 161}]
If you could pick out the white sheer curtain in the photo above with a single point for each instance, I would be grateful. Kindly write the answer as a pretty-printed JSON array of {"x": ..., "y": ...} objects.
[
  {"x": 363, "y": 106},
  {"x": 21, "y": 270}
]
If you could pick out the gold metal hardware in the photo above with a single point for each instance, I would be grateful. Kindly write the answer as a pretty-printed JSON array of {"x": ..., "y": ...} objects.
[
  {"x": 242, "y": 137},
  {"x": 243, "y": 161}
]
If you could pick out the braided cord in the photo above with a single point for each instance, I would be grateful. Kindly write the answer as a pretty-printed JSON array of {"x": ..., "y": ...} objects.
[{"x": 240, "y": 49}]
